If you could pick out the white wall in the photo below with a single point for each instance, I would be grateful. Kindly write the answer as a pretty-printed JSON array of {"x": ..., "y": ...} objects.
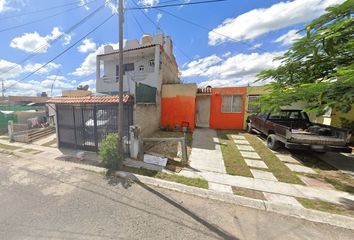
[
  {"x": 167, "y": 72},
  {"x": 149, "y": 76}
]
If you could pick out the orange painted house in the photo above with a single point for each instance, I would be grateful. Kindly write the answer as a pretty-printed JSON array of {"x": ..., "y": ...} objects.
[
  {"x": 218, "y": 108},
  {"x": 227, "y": 107},
  {"x": 178, "y": 106}
]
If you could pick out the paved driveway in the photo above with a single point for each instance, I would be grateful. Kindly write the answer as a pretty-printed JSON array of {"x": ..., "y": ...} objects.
[{"x": 53, "y": 200}]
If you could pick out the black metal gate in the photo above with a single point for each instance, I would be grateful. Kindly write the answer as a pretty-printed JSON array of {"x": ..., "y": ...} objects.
[{"x": 85, "y": 126}]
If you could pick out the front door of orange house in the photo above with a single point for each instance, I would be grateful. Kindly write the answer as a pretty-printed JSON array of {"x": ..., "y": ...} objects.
[{"x": 202, "y": 111}]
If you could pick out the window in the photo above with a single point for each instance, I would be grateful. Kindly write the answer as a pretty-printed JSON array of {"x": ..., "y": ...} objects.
[
  {"x": 141, "y": 68},
  {"x": 152, "y": 63},
  {"x": 128, "y": 67},
  {"x": 253, "y": 104},
  {"x": 231, "y": 104}
]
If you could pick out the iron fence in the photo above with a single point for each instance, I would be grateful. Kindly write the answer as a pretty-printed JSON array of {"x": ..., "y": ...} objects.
[{"x": 86, "y": 126}]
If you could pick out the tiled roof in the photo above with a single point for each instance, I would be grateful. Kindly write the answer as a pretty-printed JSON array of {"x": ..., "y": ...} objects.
[
  {"x": 206, "y": 90},
  {"x": 88, "y": 99}
]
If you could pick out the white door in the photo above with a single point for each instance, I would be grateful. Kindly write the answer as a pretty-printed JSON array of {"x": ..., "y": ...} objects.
[{"x": 203, "y": 111}]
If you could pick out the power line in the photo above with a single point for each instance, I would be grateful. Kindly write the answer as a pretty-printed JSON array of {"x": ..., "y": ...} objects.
[
  {"x": 158, "y": 27},
  {"x": 63, "y": 52},
  {"x": 47, "y": 9},
  {"x": 55, "y": 39},
  {"x": 45, "y": 18},
  {"x": 208, "y": 29},
  {"x": 175, "y": 5},
  {"x": 139, "y": 25}
]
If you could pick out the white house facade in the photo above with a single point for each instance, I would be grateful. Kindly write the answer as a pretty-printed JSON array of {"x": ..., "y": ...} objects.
[
  {"x": 150, "y": 62},
  {"x": 148, "y": 65}
]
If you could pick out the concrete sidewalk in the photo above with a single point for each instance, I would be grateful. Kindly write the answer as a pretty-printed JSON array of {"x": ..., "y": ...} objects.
[
  {"x": 206, "y": 156},
  {"x": 287, "y": 189}
]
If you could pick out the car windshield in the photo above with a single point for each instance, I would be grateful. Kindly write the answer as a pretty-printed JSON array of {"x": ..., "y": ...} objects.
[{"x": 102, "y": 115}]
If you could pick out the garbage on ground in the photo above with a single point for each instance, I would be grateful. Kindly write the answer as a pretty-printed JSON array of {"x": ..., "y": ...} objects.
[{"x": 156, "y": 160}]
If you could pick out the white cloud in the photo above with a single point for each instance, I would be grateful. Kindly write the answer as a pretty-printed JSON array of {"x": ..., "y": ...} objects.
[
  {"x": 255, "y": 46},
  {"x": 10, "y": 70},
  {"x": 50, "y": 67},
  {"x": 149, "y": 3},
  {"x": 88, "y": 66},
  {"x": 3, "y": 6},
  {"x": 200, "y": 66},
  {"x": 87, "y": 46},
  {"x": 289, "y": 37},
  {"x": 257, "y": 22},
  {"x": 158, "y": 17},
  {"x": 34, "y": 42},
  {"x": 5, "y": 71},
  {"x": 238, "y": 69},
  {"x": 32, "y": 87},
  {"x": 83, "y": 2}
]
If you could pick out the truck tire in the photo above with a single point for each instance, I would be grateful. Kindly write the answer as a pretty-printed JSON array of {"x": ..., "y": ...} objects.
[
  {"x": 249, "y": 127},
  {"x": 272, "y": 142}
]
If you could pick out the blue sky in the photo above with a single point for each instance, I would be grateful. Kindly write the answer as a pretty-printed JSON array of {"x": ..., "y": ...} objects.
[{"x": 238, "y": 39}]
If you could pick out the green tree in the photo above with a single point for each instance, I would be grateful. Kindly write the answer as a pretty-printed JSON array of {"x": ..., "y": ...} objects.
[{"x": 319, "y": 67}]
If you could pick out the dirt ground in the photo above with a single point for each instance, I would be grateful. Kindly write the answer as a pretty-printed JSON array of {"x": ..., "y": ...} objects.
[{"x": 171, "y": 150}]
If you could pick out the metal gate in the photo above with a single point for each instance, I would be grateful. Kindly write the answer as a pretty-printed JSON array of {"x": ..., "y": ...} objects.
[{"x": 84, "y": 127}]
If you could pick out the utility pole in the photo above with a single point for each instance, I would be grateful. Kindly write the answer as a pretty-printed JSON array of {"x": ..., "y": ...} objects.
[
  {"x": 2, "y": 88},
  {"x": 120, "y": 82}
]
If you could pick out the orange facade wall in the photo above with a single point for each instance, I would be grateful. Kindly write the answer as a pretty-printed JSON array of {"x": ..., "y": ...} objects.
[
  {"x": 175, "y": 111},
  {"x": 220, "y": 120}
]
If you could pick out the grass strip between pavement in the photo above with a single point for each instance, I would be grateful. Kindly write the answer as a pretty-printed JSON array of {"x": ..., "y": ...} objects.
[
  {"x": 195, "y": 182},
  {"x": 9, "y": 147},
  {"x": 233, "y": 160},
  {"x": 325, "y": 206},
  {"x": 277, "y": 167}
]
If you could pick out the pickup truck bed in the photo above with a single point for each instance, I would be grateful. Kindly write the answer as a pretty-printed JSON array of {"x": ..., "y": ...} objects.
[{"x": 295, "y": 131}]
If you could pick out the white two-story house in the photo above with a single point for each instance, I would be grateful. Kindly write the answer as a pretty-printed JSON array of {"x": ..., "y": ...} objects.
[{"x": 148, "y": 65}]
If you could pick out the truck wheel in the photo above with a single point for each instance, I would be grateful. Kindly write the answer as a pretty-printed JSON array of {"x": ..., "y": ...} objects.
[
  {"x": 249, "y": 128},
  {"x": 272, "y": 142}
]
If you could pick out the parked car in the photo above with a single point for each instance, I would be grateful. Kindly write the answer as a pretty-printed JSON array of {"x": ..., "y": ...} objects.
[{"x": 293, "y": 129}]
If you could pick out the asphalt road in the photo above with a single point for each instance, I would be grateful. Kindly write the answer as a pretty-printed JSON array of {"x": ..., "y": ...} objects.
[{"x": 41, "y": 199}]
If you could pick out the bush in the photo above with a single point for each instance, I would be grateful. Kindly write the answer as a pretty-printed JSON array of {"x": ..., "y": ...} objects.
[{"x": 109, "y": 153}]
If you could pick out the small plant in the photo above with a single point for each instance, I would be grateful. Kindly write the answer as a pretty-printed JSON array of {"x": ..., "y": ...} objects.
[{"x": 109, "y": 153}]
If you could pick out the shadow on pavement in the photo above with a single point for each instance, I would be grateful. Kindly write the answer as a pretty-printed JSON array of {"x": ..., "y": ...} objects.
[
  {"x": 217, "y": 230},
  {"x": 348, "y": 203}
]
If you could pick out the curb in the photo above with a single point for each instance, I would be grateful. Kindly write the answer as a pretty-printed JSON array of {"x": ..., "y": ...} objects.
[
  {"x": 288, "y": 210},
  {"x": 283, "y": 209}
]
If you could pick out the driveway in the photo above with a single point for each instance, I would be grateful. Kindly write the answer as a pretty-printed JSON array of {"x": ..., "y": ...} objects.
[{"x": 43, "y": 199}]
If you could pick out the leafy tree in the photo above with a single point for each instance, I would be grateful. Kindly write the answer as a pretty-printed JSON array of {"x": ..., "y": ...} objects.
[{"x": 319, "y": 67}]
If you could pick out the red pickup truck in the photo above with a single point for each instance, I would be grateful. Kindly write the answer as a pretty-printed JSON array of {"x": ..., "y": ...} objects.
[{"x": 293, "y": 129}]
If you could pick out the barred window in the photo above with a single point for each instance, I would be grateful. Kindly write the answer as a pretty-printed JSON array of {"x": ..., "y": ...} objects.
[{"x": 232, "y": 103}]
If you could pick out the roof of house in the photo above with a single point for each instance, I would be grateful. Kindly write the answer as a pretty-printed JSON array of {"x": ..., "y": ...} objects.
[
  {"x": 89, "y": 100},
  {"x": 27, "y": 99},
  {"x": 206, "y": 90},
  {"x": 128, "y": 50}
]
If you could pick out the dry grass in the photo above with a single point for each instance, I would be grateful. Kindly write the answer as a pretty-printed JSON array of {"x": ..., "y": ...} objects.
[
  {"x": 337, "y": 179},
  {"x": 30, "y": 150},
  {"x": 168, "y": 149},
  {"x": 50, "y": 143},
  {"x": 233, "y": 160},
  {"x": 325, "y": 206},
  {"x": 248, "y": 193},
  {"x": 277, "y": 167},
  {"x": 9, "y": 147},
  {"x": 195, "y": 182}
]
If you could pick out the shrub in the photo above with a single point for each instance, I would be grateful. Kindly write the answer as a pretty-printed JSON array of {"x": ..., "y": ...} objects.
[{"x": 109, "y": 153}]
